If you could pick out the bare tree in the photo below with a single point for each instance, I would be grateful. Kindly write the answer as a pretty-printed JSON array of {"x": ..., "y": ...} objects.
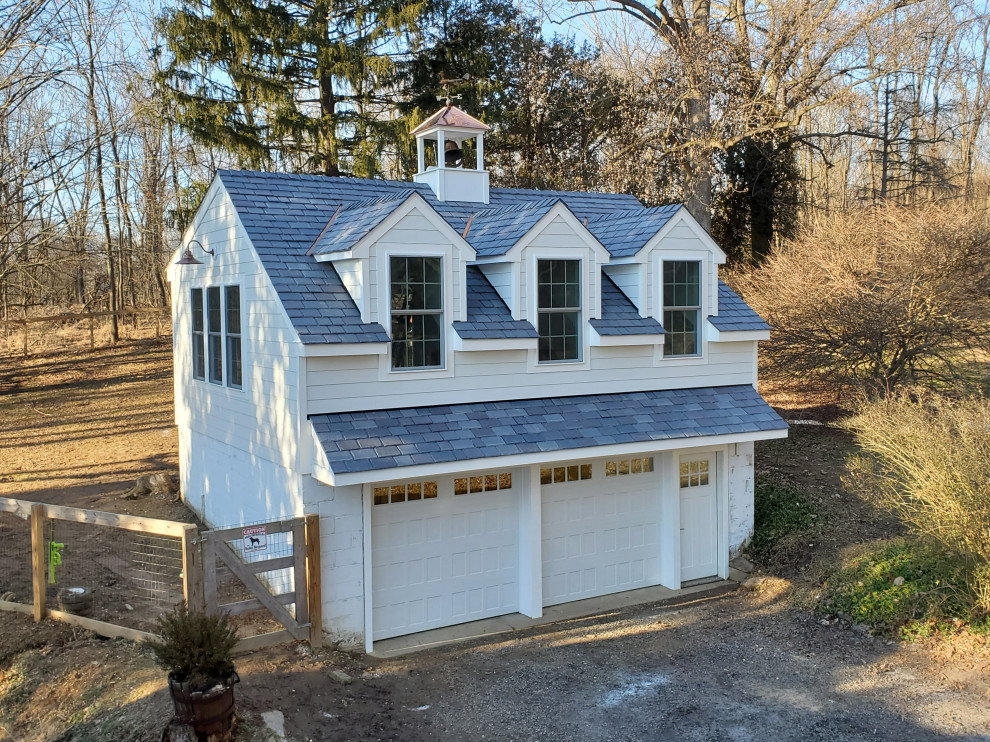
[
  {"x": 742, "y": 69},
  {"x": 876, "y": 298}
]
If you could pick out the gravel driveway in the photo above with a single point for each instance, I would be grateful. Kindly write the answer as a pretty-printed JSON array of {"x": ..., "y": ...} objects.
[{"x": 740, "y": 667}]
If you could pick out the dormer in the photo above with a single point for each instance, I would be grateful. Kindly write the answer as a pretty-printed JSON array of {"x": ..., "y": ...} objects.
[{"x": 446, "y": 145}]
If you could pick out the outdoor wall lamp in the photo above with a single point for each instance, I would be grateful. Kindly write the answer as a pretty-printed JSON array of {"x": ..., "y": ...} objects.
[{"x": 187, "y": 256}]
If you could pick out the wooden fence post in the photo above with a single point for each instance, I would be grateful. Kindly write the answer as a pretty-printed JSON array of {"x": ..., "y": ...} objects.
[
  {"x": 313, "y": 580},
  {"x": 193, "y": 588},
  {"x": 210, "y": 575},
  {"x": 38, "y": 558},
  {"x": 92, "y": 333}
]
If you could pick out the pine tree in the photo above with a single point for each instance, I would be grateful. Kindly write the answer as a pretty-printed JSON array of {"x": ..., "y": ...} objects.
[{"x": 289, "y": 85}]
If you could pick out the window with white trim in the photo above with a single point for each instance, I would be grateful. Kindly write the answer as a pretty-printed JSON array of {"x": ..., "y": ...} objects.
[
  {"x": 404, "y": 492},
  {"x": 232, "y": 324},
  {"x": 558, "y": 297},
  {"x": 417, "y": 312},
  {"x": 622, "y": 467},
  {"x": 216, "y": 335},
  {"x": 198, "y": 352},
  {"x": 214, "y": 327},
  {"x": 566, "y": 473},
  {"x": 681, "y": 308},
  {"x": 483, "y": 483},
  {"x": 694, "y": 473}
]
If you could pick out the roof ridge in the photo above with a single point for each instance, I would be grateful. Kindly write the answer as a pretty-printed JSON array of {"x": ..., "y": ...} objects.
[
  {"x": 376, "y": 201},
  {"x": 625, "y": 213},
  {"x": 521, "y": 206}
]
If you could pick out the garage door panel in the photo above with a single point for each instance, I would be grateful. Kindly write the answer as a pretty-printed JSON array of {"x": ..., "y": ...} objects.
[
  {"x": 600, "y": 536},
  {"x": 444, "y": 560}
]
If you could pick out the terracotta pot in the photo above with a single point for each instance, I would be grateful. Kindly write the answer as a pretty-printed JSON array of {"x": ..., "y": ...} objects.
[{"x": 208, "y": 712}]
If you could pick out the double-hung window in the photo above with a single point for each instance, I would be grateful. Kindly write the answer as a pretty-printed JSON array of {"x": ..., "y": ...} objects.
[
  {"x": 232, "y": 305},
  {"x": 558, "y": 296},
  {"x": 682, "y": 307},
  {"x": 198, "y": 352},
  {"x": 214, "y": 326},
  {"x": 216, "y": 335},
  {"x": 417, "y": 312}
]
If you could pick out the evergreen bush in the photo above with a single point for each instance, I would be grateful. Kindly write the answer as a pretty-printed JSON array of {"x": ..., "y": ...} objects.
[{"x": 195, "y": 647}]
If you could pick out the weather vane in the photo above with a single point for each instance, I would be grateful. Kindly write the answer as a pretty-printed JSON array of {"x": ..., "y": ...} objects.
[{"x": 447, "y": 83}]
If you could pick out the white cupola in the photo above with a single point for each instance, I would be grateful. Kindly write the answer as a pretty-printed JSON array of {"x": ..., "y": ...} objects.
[{"x": 449, "y": 140}]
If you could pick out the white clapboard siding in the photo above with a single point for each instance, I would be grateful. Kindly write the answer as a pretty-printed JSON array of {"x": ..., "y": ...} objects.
[
  {"x": 349, "y": 383},
  {"x": 254, "y": 428},
  {"x": 412, "y": 230}
]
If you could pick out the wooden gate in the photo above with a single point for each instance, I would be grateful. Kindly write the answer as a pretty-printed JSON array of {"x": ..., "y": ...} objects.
[{"x": 278, "y": 565}]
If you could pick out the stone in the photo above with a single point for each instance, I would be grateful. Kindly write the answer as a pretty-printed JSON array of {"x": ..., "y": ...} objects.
[
  {"x": 898, "y": 581},
  {"x": 742, "y": 564},
  {"x": 340, "y": 676},
  {"x": 275, "y": 720},
  {"x": 754, "y": 582}
]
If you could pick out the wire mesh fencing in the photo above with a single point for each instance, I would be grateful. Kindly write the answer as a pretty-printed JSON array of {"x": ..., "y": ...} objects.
[
  {"x": 280, "y": 582},
  {"x": 123, "y": 577},
  {"x": 15, "y": 558}
]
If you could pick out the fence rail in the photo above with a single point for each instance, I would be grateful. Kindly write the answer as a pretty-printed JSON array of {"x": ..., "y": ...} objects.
[
  {"x": 25, "y": 322},
  {"x": 115, "y": 574}
]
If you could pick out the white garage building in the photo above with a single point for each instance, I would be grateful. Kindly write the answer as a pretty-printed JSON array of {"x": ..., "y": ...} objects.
[{"x": 496, "y": 400}]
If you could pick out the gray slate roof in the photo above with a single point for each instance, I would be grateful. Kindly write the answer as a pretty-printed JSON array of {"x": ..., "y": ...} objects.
[
  {"x": 284, "y": 214},
  {"x": 385, "y": 439},
  {"x": 495, "y": 231},
  {"x": 355, "y": 221},
  {"x": 488, "y": 316},
  {"x": 626, "y": 232},
  {"x": 734, "y": 314},
  {"x": 620, "y": 316}
]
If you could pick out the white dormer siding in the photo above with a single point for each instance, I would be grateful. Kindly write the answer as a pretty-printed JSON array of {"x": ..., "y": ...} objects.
[
  {"x": 354, "y": 382},
  {"x": 629, "y": 278},
  {"x": 504, "y": 278}
]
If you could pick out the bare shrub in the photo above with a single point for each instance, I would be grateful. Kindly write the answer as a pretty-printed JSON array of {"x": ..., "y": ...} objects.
[
  {"x": 877, "y": 298},
  {"x": 928, "y": 460}
]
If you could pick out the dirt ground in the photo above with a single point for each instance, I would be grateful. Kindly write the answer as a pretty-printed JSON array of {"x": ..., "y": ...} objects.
[
  {"x": 748, "y": 666},
  {"x": 77, "y": 428}
]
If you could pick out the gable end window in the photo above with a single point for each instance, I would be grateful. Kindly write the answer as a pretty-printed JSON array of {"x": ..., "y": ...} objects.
[
  {"x": 232, "y": 305},
  {"x": 214, "y": 324},
  {"x": 558, "y": 296},
  {"x": 216, "y": 335},
  {"x": 682, "y": 307},
  {"x": 417, "y": 312},
  {"x": 198, "y": 352}
]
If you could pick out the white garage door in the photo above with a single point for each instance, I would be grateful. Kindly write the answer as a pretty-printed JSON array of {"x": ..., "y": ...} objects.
[
  {"x": 601, "y": 524},
  {"x": 440, "y": 558}
]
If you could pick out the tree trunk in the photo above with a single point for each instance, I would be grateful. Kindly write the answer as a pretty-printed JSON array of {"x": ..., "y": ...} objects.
[{"x": 98, "y": 152}]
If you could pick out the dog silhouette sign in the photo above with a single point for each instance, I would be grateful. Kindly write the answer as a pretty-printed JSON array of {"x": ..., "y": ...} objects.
[{"x": 255, "y": 539}]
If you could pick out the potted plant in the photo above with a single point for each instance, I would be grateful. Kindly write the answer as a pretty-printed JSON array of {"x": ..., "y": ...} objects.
[{"x": 197, "y": 651}]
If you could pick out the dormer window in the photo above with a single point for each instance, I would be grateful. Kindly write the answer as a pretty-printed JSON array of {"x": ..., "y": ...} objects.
[
  {"x": 682, "y": 307},
  {"x": 558, "y": 296},
  {"x": 417, "y": 312}
]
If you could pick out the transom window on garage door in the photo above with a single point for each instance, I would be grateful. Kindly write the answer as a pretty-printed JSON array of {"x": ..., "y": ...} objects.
[
  {"x": 483, "y": 483},
  {"x": 569, "y": 473},
  {"x": 405, "y": 492},
  {"x": 622, "y": 467},
  {"x": 694, "y": 473}
]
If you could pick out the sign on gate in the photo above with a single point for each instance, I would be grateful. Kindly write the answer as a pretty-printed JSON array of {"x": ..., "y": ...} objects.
[{"x": 255, "y": 539}]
